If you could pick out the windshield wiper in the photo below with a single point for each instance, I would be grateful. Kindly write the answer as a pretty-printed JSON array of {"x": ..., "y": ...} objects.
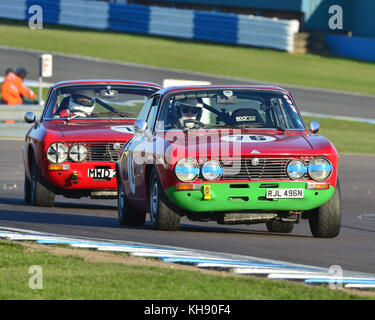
[
  {"x": 225, "y": 126},
  {"x": 121, "y": 114},
  {"x": 114, "y": 110},
  {"x": 281, "y": 129}
]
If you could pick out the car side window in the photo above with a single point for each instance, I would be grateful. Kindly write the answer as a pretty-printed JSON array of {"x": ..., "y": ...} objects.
[
  {"x": 152, "y": 114},
  {"x": 145, "y": 110}
]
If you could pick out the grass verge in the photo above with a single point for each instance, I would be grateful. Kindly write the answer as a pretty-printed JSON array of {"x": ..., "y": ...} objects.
[
  {"x": 67, "y": 274},
  {"x": 235, "y": 61},
  {"x": 347, "y": 136}
]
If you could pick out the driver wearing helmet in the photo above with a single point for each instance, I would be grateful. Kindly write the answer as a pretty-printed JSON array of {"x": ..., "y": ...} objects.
[
  {"x": 187, "y": 115},
  {"x": 80, "y": 104}
]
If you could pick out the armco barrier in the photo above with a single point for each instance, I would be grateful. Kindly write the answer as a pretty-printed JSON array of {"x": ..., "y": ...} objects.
[{"x": 190, "y": 24}]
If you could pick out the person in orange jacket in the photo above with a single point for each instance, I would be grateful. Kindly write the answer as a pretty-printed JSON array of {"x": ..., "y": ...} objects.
[
  {"x": 9, "y": 76},
  {"x": 13, "y": 89}
]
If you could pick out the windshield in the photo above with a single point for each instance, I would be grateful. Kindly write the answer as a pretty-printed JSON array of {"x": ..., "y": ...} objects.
[
  {"x": 97, "y": 101},
  {"x": 229, "y": 109}
]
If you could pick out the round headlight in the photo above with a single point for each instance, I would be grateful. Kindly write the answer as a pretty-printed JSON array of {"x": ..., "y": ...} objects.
[
  {"x": 186, "y": 170},
  {"x": 57, "y": 152},
  {"x": 320, "y": 169},
  {"x": 296, "y": 169},
  {"x": 212, "y": 170},
  {"x": 78, "y": 153}
]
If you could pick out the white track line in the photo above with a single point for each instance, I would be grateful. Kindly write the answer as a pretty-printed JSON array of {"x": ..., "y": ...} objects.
[
  {"x": 359, "y": 286},
  {"x": 297, "y": 276},
  {"x": 279, "y": 271}
]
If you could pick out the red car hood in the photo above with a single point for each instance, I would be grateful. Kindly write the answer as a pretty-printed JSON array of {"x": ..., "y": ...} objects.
[
  {"x": 90, "y": 130},
  {"x": 201, "y": 143}
]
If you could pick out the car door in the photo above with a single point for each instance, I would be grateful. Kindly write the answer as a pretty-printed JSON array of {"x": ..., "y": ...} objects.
[{"x": 142, "y": 142}]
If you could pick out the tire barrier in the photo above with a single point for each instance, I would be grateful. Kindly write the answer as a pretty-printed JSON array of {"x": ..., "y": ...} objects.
[{"x": 180, "y": 23}]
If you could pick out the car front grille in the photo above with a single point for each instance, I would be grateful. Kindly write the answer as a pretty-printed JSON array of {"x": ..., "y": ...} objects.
[
  {"x": 263, "y": 168},
  {"x": 104, "y": 151}
]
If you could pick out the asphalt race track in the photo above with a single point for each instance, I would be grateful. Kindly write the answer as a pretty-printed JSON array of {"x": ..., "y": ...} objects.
[
  {"x": 353, "y": 249},
  {"x": 71, "y": 68}
]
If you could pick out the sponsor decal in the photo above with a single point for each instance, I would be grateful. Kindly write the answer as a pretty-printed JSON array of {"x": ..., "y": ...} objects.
[{"x": 245, "y": 118}]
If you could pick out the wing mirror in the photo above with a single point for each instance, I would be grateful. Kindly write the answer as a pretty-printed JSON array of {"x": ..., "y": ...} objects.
[
  {"x": 29, "y": 117},
  {"x": 314, "y": 126},
  {"x": 140, "y": 126}
]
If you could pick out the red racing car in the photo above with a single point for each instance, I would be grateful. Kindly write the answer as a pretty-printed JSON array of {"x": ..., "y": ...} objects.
[
  {"x": 72, "y": 149},
  {"x": 231, "y": 154}
]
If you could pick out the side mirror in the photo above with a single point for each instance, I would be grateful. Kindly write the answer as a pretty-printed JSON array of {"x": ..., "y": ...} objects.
[
  {"x": 29, "y": 117},
  {"x": 140, "y": 126},
  {"x": 314, "y": 126}
]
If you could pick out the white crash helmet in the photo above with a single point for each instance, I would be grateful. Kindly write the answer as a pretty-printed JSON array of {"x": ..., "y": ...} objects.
[
  {"x": 188, "y": 110},
  {"x": 81, "y": 103}
]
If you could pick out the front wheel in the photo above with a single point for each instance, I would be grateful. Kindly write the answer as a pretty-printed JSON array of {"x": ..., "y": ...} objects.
[
  {"x": 325, "y": 221},
  {"x": 27, "y": 189},
  {"x": 162, "y": 216},
  {"x": 40, "y": 195},
  {"x": 127, "y": 215}
]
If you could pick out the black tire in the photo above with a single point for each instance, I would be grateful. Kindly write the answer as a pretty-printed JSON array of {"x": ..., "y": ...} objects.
[
  {"x": 27, "y": 189},
  {"x": 325, "y": 221},
  {"x": 162, "y": 216},
  {"x": 279, "y": 226},
  {"x": 40, "y": 196},
  {"x": 127, "y": 215}
]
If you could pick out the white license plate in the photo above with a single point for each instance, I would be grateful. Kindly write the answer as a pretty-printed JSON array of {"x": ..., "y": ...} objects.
[
  {"x": 101, "y": 173},
  {"x": 284, "y": 193}
]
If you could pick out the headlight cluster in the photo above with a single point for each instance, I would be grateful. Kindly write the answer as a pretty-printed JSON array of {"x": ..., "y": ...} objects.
[
  {"x": 187, "y": 170},
  {"x": 319, "y": 169},
  {"x": 58, "y": 152}
]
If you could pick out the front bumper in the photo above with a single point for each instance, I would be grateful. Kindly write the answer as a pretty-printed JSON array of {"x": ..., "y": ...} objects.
[
  {"x": 80, "y": 176},
  {"x": 248, "y": 196}
]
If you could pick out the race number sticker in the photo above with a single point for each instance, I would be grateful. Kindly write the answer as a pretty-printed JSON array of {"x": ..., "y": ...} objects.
[
  {"x": 248, "y": 138},
  {"x": 123, "y": 129}
]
